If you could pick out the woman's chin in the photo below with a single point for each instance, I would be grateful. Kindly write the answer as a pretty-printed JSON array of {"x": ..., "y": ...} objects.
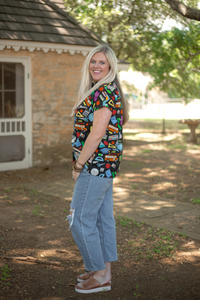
[{"x": 96, "y": 78}]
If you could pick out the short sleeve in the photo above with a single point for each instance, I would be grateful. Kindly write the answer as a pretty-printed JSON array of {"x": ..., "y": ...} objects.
[{"x": 105, "y": 96}]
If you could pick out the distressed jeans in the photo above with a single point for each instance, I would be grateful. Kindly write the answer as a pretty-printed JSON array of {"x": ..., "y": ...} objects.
[{"x": 92, "y": 222}]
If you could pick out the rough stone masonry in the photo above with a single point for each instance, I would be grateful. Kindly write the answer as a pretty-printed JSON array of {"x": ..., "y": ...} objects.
[{"x": 55, "y": 80}]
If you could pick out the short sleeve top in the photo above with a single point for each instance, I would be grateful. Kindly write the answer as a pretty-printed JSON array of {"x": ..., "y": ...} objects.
[{"x": 106, "y": 159}]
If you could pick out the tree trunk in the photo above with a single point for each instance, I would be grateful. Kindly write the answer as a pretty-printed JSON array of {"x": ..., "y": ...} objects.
[
  {"x": 184, "y": 10},
  {"x": 192, "y": 136}
]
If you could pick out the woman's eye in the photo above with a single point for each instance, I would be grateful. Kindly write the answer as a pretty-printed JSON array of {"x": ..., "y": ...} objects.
[{"x": 94, "y": 62}]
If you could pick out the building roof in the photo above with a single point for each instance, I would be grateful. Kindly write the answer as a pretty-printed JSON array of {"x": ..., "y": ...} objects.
[
  {"x": 43, "y": 21},
  {"x": 123, "y": 65}
]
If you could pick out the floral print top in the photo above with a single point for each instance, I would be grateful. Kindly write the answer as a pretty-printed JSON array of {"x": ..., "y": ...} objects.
[{"x": 106, "y": 159}]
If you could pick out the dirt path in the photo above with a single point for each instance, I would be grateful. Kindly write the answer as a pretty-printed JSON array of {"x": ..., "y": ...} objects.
[{"x": 39, "y": 259}]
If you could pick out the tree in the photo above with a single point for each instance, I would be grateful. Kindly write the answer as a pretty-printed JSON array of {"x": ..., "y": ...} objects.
[
  {"x": 126, "y": 26},
  {"x": 133, "y": 29},
  {"x": 175, "y": 62}
]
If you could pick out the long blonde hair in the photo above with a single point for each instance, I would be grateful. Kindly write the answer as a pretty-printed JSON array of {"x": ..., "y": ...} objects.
[{"x": 86, "y": 82}]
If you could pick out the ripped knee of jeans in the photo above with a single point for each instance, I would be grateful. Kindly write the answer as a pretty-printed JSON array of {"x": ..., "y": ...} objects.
[{"x": 70, "y": 217}]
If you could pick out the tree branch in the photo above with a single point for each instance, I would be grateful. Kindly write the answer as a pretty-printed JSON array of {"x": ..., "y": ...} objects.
[
  {"x": 32, "y": 259},
  {"x": 195, "y": 70},
  {"x": 184, "y": 10},
  {"x": 194, "y": 54}
]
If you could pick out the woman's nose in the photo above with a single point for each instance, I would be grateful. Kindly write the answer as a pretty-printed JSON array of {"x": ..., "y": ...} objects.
[{"x": 96, "y": 65}]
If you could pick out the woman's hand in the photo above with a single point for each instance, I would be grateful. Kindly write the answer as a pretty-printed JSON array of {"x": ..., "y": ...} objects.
[
  {"x": 75, "y": 175},
  {"x": 79, "y": 167}
]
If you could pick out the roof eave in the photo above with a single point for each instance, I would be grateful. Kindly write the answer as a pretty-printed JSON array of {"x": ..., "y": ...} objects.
[{"x": 123, "y": 66}]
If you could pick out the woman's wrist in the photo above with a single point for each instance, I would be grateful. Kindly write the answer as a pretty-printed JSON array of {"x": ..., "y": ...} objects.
[
  {"x": 77, "y": 167},
  {"x": 79, "y": 163}
]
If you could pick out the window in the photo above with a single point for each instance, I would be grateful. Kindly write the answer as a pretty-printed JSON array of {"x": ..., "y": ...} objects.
[
  {"x": 12, "y": 148},
  {"x": 11, "y": 90}
]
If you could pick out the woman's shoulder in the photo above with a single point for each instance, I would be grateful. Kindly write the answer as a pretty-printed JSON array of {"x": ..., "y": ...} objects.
[
  {"x": 106, "y": 92},
  {"x": 110, "y": 87}
]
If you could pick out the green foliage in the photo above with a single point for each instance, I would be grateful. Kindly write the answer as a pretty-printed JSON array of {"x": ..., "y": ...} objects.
[
  {"x": 126, "y": 25},
  {"x": 34, "y": 192},
  {"x": 136, "y": 293},
  {"x": 37, "y": 211},
  {"x": 5, "y": 274},
  {"x": 196, "y": 201},
  {"x": 175, "y": 61},
  {"x": 155, "y": 242},
  {"x": 133, "y": 28}
]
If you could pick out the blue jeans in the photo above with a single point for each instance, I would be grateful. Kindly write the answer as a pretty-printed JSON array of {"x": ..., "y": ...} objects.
[{"x": 92, "y": 222}]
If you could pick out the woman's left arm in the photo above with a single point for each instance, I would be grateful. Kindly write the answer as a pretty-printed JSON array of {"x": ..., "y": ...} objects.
[{"x": 100, "y": 122}]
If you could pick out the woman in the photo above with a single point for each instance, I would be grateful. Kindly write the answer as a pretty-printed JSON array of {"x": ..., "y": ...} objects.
[{"x": 99, "y": 113}]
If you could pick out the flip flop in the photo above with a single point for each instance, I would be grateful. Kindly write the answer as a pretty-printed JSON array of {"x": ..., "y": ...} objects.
[
  {"x": 85, "y": 276},
  {"x": 91, "y": 285}
]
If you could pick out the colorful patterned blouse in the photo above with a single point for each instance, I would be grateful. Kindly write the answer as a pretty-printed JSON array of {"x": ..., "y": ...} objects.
[{"x": 106, "y": 159}]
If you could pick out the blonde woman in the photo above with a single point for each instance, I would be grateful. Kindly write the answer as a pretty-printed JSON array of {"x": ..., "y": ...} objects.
[{"x": 99, "y": 114}]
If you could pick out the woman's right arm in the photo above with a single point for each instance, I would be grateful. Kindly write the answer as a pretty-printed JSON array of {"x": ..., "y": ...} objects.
[{"x": 100, "y": 122}]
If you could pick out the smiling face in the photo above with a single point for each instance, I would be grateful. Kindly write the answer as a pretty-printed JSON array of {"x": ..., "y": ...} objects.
[{"x": 99, "y": 66}]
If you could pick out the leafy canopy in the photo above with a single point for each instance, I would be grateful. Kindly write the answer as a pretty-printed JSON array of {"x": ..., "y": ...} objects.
[
  {"x": 120, "y": 23},
  {"x": 175, "y": 61},
  {"x": 133, "y": 29}
]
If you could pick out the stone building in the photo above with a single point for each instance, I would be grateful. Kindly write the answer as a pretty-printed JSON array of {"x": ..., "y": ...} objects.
[{"x": 42, "y": 49}]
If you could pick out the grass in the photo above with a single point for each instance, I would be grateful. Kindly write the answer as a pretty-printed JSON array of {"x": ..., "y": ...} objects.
[
  {"x": 5, "y": 274},
  {"x": 147, "y": 243},
  {"x": 60, "y": 286},
  {"x": 147, "y": 151},
  {"x": 137, "y": 164},
  {"x": 196, "y": 201},
  {"x": 178, "y": 145},
  {"x": 136, "y": 292},
  {"x": 152, "y": 160},
  {"x": 156, "y": 124},
  {"x": 134, "y": 186},
  {"x": 33, "y": 192},
  {"x": 37, "y": 211},
  {"x": 46, "y": 199}
]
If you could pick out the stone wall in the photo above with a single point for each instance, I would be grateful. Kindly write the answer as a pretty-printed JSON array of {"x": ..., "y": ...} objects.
[{"x": 55, "y": 82}]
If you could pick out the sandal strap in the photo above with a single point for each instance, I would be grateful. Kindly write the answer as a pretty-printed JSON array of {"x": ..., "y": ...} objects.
[
  {"x": 86, "y": 275},
  {"x": 92, "y": 283}
]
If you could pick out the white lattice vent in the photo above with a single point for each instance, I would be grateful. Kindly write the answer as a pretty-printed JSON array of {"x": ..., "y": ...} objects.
[{"x": 7, "y": 127}]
